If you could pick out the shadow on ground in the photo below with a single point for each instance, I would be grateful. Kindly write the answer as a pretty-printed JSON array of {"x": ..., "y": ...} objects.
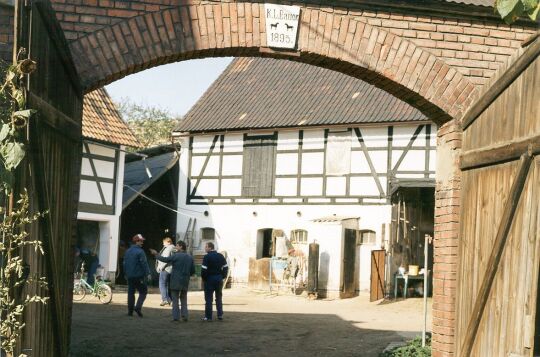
[{"x": 106, "y": 331}]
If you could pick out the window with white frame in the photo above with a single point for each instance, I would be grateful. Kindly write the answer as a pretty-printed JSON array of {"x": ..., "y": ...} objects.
[
  {"x": 208, "y": 234},
  {"x": 366, "y": 236},
  {"x": 299, "y": 236}
]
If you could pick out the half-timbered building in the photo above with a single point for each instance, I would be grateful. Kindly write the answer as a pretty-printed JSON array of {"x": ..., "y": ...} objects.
[
  {"x": 105, "y": 136},
  {"x": 283, "y": 149}
]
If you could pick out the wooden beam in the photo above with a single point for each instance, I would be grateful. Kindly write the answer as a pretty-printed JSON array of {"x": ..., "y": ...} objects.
[
  {"x": 368, "y": 159},
  {"x": 505, "y": 80},
  {"x": 492, "y": 264},
  {"x": 507, "y": 151},
  {"x": 55, "y": 118},
  {"x": 204, "y": 165}
]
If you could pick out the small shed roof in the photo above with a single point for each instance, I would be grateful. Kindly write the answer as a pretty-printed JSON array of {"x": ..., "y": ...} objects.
[
  {"x": 270, "y": 93},
  {"x": 136, "y": 179},
  {"x": 102, "y": 121},
  {"x": 331, "y": 219}
]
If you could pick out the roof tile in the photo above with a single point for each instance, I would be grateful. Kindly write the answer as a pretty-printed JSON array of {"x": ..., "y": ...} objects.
[
  {"x": 269, "y": 93},
  {"x": 102, "y": 121}
]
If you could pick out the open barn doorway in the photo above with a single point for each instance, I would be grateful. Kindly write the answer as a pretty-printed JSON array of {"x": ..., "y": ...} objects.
[{"x": 413, "y": 210}]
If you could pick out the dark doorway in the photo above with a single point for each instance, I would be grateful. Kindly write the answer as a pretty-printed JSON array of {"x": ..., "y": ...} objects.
[
  {"x": 349, "y": 259},
  {"x": 88, "y": 235},
  {"x": 537, "y": 322},
  {"x": 266, "y": 243},
  {"x": 413, "y": 212}
]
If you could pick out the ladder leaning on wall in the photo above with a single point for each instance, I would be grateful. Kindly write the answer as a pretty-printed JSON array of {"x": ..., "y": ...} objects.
[{"x": 188, "y": 235}]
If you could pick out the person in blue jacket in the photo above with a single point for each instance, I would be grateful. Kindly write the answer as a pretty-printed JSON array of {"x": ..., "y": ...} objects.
[
  {"x": 213, "y": 270},
  {"x": 137, "y": 274}
]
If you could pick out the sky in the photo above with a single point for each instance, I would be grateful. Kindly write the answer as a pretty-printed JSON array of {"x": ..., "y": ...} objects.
[{"x": 174, "y": 87}]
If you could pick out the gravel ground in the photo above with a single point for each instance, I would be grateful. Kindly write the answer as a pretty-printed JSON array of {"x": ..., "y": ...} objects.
[{"x": 255, "y": 324}]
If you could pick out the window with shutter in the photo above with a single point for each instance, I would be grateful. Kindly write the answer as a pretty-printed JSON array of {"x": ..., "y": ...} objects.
[{"x": 258, "y": 165}]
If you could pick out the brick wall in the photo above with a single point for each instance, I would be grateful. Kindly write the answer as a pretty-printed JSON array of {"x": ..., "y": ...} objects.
[
  {"x": 475, "y": 47},
  {"x": 6, "y": 32},
  {"x": 331, "y": 39},
  {"x": 447, "y": 213}
]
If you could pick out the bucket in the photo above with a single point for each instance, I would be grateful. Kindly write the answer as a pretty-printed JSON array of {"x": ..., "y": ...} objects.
[{"x": 413, "y": 269}]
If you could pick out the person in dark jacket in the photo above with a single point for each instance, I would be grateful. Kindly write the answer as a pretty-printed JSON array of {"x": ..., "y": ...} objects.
[
  {"x": 137, "y": 272},
  {"x": 91, "y": 263},
  {"x": 182, "y": 269},
  {"x": 213, "y": 269}
]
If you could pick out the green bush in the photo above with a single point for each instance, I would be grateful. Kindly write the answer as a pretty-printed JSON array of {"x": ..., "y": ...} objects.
[{"x": 412, "y": 349}]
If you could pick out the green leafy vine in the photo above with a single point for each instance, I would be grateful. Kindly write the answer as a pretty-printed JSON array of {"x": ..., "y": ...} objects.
[
  {"x": 16, "y": 217},
  {"x": 511, "y": 10}
]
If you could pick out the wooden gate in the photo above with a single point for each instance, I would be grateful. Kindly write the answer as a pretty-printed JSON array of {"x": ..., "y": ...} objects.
[
  {"x": 52, "y": 173},
  {"x": 376, "y": 289},
  {"x": 500, "y": 219}
]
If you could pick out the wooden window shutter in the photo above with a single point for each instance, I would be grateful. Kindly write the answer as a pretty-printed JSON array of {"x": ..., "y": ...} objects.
[{"x": 258, "y": 166}]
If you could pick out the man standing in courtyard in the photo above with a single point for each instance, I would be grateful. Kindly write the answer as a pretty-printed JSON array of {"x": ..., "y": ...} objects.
[
  {"x": 137, "y": 272},
  {"x": 213, "y": 270},
  {"x": 182, "y": 269},
  {"x": 164, "y": 270}
]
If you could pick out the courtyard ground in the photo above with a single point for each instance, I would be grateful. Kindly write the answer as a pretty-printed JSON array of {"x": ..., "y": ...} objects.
[{"x": 255, "y": 324}]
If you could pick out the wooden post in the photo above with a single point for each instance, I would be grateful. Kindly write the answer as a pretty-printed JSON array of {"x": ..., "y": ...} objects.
[
  {"x": 313, "y": 270},
  {"x": 496, "y": 254}
]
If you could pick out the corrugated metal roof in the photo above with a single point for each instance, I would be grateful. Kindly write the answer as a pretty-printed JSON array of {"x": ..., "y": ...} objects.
[
  {"x": 269, "y": 93},
  {"x": 332, "y": 219},
  {"x": 136, "y": 179},
  {"x": 101, "y": 120}
]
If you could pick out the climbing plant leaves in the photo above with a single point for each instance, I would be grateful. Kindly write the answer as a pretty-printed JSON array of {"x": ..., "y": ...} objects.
[
  {"x": 12, "y": 154},
  {"x": 511, "y": 10}
]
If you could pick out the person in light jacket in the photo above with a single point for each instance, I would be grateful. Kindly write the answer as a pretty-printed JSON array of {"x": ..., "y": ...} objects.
[
  {"x": 182, "y": 269},
  {"x": 164, "y": 270}
]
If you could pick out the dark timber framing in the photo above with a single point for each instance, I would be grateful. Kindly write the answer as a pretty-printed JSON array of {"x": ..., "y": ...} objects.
[
  {"x": 425, "y": 176},
  {"x": 102, "y": 208}
]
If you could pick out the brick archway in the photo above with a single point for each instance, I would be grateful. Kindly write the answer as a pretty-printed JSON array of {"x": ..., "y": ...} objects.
[
  {"x": 330, "y": 38},
  {"x": 327, "y": 39}
]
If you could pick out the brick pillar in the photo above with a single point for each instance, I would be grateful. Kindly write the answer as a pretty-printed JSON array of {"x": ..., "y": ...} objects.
[{"x": 447, "y": 205}]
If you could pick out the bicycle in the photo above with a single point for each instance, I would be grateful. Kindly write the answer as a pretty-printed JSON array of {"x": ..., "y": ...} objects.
[{"x": 100, "y": 289}]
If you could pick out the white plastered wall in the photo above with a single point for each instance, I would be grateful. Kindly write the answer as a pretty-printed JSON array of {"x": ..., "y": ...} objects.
[
  {"x": 109, "y": 225},
  {"x": 236, "y": 224}
]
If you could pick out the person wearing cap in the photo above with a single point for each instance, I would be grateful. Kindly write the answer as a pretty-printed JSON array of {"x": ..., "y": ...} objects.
[
  {"x": 182, "y": 269},
  {"x": 137, "y": 273}
]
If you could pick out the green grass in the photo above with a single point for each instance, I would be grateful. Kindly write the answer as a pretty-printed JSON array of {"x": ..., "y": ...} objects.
[{"x": 412, "y": 349}]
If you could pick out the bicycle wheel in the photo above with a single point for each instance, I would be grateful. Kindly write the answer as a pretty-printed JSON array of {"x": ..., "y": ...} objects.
[
  {"x": 79, "y": 292},
  {"x": 104, "y": 293}
]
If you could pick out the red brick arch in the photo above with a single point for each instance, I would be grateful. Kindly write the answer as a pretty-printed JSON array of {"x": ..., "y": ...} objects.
[{"x": 326, "y": 38}]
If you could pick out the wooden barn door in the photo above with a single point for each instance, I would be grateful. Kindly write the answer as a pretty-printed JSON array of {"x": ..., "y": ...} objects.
[
  {"x": 52, "y": 174},
  {"x": 499, "y": 249},
  {"x": 376, "y": 289}
]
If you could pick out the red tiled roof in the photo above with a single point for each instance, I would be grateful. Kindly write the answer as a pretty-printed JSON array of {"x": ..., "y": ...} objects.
[{"x": 102, "y": 121}]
